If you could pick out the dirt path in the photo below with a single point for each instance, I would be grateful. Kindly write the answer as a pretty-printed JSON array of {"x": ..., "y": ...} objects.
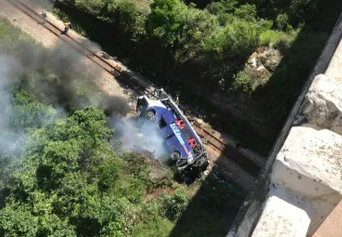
[{"x": 40, "y": 34}]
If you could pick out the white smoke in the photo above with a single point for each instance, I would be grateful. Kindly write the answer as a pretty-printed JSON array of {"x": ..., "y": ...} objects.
[
  {"x": 67, "y": 67},
  {"x": 66, "y": 64},
  {"x": 10, "y": 139},
  {"x": 138, "y": 135}
]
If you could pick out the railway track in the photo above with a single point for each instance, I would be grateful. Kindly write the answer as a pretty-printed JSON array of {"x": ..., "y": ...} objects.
[
  {"x": 228, "y": 151},
  {"x": 249, "y": 165},
  {"x": 94, "y": 56}
]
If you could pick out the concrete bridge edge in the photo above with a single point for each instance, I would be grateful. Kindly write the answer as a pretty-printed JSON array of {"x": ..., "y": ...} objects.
[{"x": 251, "y": 209}]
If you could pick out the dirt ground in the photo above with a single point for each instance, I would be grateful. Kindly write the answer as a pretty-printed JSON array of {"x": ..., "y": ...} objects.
[{"x": 40, "y": 34}]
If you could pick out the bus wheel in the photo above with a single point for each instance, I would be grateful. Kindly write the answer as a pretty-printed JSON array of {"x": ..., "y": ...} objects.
[
  {"x": 175, "y": 155},
  {"x": 150, "y": 113}
]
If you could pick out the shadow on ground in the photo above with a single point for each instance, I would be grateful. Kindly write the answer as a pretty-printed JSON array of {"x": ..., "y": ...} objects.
[{"x": 213, "y": 208}]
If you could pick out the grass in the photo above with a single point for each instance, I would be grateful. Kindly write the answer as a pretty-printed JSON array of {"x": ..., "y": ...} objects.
[
  {"x": 10, "y": 35},
  {"x": 277, "y": 38}
]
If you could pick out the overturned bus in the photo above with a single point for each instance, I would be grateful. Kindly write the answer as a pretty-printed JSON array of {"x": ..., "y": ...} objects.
[{"x": 180, "y": 139}]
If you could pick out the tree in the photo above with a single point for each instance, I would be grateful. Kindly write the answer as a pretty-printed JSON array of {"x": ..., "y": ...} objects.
[
  {"x": 234, "y": 42},
  {"x": 28, "y": 112},
  {"x": 173, "y": 205},
  {"x": 247, "y": 12},
  {"x": 56, "y": 191},
  {"x": 282, "y": 21},
  {"x": 166, "y": 21}
]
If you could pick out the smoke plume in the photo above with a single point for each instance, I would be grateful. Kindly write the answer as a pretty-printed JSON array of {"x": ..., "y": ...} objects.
[
  {"x": 55, "y": 76},
  {"x": 9, "y": 71},
  {"x": 138, "y": 135},
  {"x": 64, "y": 78},
  {"x": 60, "y": 77}
]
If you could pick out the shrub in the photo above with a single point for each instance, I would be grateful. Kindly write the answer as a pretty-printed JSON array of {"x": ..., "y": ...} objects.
[
  {"x": 223, "y": 10},
  {"x": 131, "y": 20},
  {"x": 234, "y": 42},
  {"x": 158, "y": 227},
  {"x": 248, "y": 81},
  {"x": 173, "y": 205},
  {"x": 10, "y": 36},
  {"x": 243, "y": 81},
  {"x": 29, "y": 112},
  {"x": 247, "y": 12},
  {"x": 279, "y": 39},
  {"x": 92, "y": 6},
  {"x": 282, "y": 21},
  {"x": 152, "y": 225}
]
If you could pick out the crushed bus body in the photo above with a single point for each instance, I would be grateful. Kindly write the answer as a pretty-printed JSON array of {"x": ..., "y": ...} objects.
[{"x": 180, "y": 139}]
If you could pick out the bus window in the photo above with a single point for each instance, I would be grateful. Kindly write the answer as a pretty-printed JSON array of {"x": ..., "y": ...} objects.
[
  {"x": 162, "y": 123},
  {"x": 141, "y": 103},
  {"x": 192, "y": 142},
  {"x": 180, "y": 123}
]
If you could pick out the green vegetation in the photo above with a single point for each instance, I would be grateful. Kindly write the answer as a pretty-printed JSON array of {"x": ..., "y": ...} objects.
[
  {"x": 213, "y": 42},
  {"x": 205, "y": 45},
  {"x": 184, "y": 35},
  {"x": 59, "y": 173},
  {"x": 9, "y": 34}
]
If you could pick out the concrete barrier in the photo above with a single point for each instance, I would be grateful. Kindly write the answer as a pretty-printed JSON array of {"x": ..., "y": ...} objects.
[{"x": 247, "y": 220}]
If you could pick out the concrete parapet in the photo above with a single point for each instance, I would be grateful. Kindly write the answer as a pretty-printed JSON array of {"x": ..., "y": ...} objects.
[
  {"x": 283, "y": 215},
  {"x": 306, "y": 184},
  {"x": 310, "y": 162},
  {"x": 322, "y": 107}
]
